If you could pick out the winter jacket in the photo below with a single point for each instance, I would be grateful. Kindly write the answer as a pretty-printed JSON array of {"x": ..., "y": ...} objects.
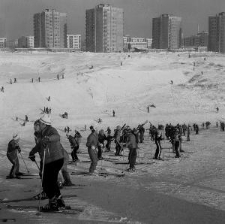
[
  {"x": 131, "y": 141},
  {"x": 92, "y": 140},
  {"x": 54, "y": 149},
  {"x": 13, "y": 147}
]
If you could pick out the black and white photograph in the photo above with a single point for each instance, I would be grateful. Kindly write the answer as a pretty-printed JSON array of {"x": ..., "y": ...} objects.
[{"x": 112, "y": 111}]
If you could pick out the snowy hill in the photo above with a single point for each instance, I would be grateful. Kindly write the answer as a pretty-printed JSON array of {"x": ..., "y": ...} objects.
[{"x": 95, "y": 84}]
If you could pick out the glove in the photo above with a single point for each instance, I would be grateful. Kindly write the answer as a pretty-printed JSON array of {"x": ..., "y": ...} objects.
[
  {"x": 32, "y": 158},
  {"x": 45, "y": 141}
]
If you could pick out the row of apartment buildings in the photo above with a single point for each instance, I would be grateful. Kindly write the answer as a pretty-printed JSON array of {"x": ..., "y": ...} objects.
[
  {"x": 105, "y": 32},
  {"x": 73, "y": 42}
]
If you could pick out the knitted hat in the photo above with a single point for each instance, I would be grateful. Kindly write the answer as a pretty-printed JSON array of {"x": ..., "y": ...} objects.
[
  {"x": 45, "y": 119},
  {"x": 16, "y": 137}
]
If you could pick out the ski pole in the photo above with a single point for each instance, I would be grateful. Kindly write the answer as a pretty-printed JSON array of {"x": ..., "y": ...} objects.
[
  {"x": 42, "y": 175},
  {"x": 37, "y": 164},
  {"x": 24, "y": 163}
]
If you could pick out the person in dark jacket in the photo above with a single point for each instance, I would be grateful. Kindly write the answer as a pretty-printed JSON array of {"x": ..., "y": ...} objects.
[
  {"x": 92, "y": 144},
  {"x": 74, "y": 144},
  {"x": 158, "y": 138},
  {"x": 132, "y": 146},
  {"x": 12, "y": 155},
  {"x": 109, "y": 139},
  {"x": 53, "y": 159},
  {"x": 141, "y": 131},
  {"x": 101, "y": 139}
]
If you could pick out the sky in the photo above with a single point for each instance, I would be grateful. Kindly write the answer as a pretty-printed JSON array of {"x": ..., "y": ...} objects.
[{"x": 16, "y": 16}]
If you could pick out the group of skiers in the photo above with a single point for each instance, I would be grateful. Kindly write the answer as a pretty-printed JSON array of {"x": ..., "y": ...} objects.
[{"x": 54, "y": 158}]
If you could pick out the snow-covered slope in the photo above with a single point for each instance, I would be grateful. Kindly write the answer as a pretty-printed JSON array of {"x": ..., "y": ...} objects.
[{"x": 95, "y": 84}]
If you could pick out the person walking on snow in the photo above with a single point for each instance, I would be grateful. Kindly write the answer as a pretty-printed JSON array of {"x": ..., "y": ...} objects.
[
  {"x": 12, "y": 155},
  {"x": 92, "y": 144},
  {"x": 52, "y": 163}
]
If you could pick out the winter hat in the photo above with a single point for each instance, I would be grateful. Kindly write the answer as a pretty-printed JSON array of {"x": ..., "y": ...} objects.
[
  {"x": 45, "y": 119},
  {"x": 16, "y": 137}
]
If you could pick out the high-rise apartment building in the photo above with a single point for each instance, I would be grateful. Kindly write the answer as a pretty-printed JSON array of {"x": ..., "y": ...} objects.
[
  {"x": 50, "y": 29},
  {"x": 74, "y": 41},
  {"x": 104, "y": 29},
  {"x": 217, "y": 33},
  {"x": 166, "y": 32}
]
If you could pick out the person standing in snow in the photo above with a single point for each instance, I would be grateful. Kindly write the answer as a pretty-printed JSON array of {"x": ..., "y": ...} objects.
[
  {"x": 74, "y": 144},
  {"x": 101, "y": 139},
  {"x": 158, "y": 138},
  {"x": 141, "y": 131},
  {"x": 132, "y": 146},
  {"x": 92, "y": 144},
  {"x": 109, "y": 139},
  {"x": 53, "y": 160},
  {"x": 117, "y": 137},
  {"x": 12, "y": 155}
]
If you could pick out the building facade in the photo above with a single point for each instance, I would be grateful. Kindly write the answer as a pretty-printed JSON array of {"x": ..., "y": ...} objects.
[
  {"x": 166, "y": 32},
  {"x": 3, "y": 42},
  {"x": 50, "y": 29},
  {"x": 26, "y": 42},
  {"x": 216, "y": 41},
  {"x": 130, "y": 43},
  {"x": 104, "y": 29},
  {"x": 74, "y": 41}
]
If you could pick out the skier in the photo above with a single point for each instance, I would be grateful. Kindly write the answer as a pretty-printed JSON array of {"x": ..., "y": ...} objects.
[
  {"x": 65, "y": 174},
  {"x": 26, "y": 118},
  {"x": 117, "y": 136},
  {"x": 52, "y": 163},
  {"x": 132, "y": 146},
  {"x": 39, "y": 79},
  {"x": 74, "y": 144},
  {"x": 2, "y": 89},
  {"x": 177, "y": 143},
  {"x": 141, "y": 131},
  {"x": 109, "y": 139},
  {"x": 196, "y": 129},
  {"x": 12, "y": 155},
  {"x": 188, "y": 133},
  {"x": 101, "y": 139},
  {"x": 92, "y": 144},
  {"x": 15, "y": 80},
  {"x": 158, "y": 138},
  {"x": 114, "y": 114}
]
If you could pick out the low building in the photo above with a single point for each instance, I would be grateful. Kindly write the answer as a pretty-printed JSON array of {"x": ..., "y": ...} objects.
[
  {"x": 198, "y": 40},
  {"x": 3, "y": 42},
  {"x": 26, "y": 42},
  {"x": 74, "y": 41},
  {"x": 132, "y": 43}
]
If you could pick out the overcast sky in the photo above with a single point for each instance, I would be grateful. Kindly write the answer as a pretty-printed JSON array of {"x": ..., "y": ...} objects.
[{"x": 16, "y": 16}]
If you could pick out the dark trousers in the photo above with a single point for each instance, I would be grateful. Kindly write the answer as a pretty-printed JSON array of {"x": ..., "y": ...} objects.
[
  {"x": 118, "y": 148},
  {"x": 15, "y": 167},
  {"x": 158, "y": 149},
  {"x": 141, "y": 137},
  {"x": 132, "y": 157},
  {"x": 94, "y": 159},
  {"x": 74, "y": 153},
  {"x": 50, "y": 178},
  {"x": 177, "y": 151},
  {"x": 65, "y": 172},
  {"x": 99, "y": 152},
  {"x": 108, "y": 145}
]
